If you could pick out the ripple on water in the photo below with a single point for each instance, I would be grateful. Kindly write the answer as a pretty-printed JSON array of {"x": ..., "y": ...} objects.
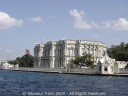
[{"x": 13, "y": 83}]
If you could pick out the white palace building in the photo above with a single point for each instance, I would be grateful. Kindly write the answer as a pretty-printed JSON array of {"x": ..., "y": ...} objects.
[{"x": 58, "y": 54}]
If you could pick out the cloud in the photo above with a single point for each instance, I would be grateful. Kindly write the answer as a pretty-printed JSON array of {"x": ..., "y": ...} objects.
[
  {"x": 7, "y": 22},
  {"x": 37, "y": 19},
  {"x": 80, "y": 20},
  {"x": 120, "y": 24}
]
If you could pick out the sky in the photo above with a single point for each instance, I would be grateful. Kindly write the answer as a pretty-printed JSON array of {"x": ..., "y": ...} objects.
[{"x": 24, "y": 23}]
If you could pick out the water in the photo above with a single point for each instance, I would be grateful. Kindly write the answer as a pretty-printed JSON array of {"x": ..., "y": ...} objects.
[{"x": 16, "y": 83}]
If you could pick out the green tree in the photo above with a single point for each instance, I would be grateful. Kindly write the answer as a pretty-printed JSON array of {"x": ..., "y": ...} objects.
[
  {"x": 24, "y": 61},
  {"x": 126, "y": 66},
  {"x": 119, "y": 52},
  {"x": 85, "y": 60},
  {"x": 14, "y": 62},
  {"x": 122, "y": 45},
  {"x": 126, "y": 47}
]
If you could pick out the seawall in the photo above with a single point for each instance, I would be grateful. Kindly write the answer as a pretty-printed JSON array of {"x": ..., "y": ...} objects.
[{"x": 39, "y": 70}]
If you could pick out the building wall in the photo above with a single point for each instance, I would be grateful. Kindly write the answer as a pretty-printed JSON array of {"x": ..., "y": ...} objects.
[
  {"x": 113, "y": 67},
  {"x": 105, "y": 68},
  {"x": 119, "y": 65},
  {"x": 56, "y": 54}
]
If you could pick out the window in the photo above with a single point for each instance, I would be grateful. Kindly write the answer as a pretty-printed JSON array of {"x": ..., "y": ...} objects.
[
  {"x": 76, "y": 51},
  {"x": 61, "y": 51},
  {"x": 42, "y": 53},
  {"x": 45, "y": 53},
  {"x": 58, "y": 51},
  {"x": 48, "y": 52},
  {"x": 72, "y": 51},
  {"x": 105, "y": 68},
  {"x": 91, "y": 49},
  {"x": 106, "y": 62},
  {"x": 111, "y": 68},
  {"x": 69, "y": 51},
  {"x": 99, "y": 68},
  {"x": 54, "y": 51}
]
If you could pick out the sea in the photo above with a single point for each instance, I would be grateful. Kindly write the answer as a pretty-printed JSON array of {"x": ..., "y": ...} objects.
[{"x": 18, "y": 83}]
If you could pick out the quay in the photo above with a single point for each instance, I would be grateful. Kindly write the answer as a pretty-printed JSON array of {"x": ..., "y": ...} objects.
[{"x": 64, "y": 71}]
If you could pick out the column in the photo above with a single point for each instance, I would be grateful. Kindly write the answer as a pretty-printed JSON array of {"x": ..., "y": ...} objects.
[
  {"x": 79, "y": 51},
  {"x": 52, "y": 63}
]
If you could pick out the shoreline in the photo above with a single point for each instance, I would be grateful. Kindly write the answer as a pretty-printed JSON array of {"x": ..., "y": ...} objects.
[{"x": 72, "y": 73}]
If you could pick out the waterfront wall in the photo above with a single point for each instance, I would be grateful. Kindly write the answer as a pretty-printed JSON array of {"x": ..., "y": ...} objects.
[
  {"x": 43, "y": 69},
  {"x": 123, "y": 71},
  {"x": 84, "y": 70},
  {"x": 63, "y": 70}
]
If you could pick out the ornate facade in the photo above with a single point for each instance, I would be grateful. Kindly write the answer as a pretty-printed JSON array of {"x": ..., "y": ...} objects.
[
  {"x": 107, "y": 65},
  {"x": 57, "y": 54}
]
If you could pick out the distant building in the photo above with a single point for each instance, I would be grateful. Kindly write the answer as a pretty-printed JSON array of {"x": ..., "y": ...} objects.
[
  {"x": 5, "y": 65},
  {"x": 57, "y": 54},
  {"x": 119, "y": 65}
]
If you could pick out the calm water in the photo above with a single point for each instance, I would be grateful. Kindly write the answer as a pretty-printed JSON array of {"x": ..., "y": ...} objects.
[{"x": 16, "y": 83}]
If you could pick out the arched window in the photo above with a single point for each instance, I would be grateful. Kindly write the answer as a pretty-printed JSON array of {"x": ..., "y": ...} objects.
[
  {"x": 69, "y": 51},
  {"x": 111, "y": 68},
  {"x": 99, "y": 68},
  {"x": 95, "y": 49},
  {"x": 77, "y": 51},
  {"x": 105, "y": 68}
]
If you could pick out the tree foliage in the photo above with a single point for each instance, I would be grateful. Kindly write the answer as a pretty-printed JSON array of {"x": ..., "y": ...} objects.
[
  {"x": 85, "y": 60},
  {"x": 119, "y": 52},
  {"x": 126, "y": 66},
  {"x": 24, "y": 61},
  {"x": 14, "y": 62}
]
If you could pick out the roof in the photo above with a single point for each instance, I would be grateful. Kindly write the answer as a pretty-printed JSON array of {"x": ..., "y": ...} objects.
[{"x": 105, "y": 59}]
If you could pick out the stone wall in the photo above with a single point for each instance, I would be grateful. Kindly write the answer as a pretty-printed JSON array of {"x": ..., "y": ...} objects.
[
  {"x": 123, "y": 71},
  {"x": 63, "y": 70}
]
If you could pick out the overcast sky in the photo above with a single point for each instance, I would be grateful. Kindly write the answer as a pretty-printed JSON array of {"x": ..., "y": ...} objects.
[{"x": 23, "y": 23}]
